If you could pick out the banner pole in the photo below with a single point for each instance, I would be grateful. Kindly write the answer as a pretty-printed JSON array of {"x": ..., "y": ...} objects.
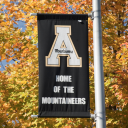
[
  {"x": 91, "y": 116},
  {"x": 35, "y": 14},
  {"x": 34, "y": 116},
  {"x": 98, "y": 66}
]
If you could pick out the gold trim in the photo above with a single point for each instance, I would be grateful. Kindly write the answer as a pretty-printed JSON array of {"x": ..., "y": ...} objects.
[{"x": 46, "y": 57}]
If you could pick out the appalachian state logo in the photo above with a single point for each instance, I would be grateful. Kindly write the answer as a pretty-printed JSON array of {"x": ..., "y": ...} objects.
[{"x": 63, "y": 46}]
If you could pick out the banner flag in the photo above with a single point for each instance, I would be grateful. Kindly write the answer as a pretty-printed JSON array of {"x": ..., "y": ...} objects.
[{"x": 63, "y": 65}]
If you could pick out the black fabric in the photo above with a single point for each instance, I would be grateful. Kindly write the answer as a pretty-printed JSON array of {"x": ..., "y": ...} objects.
[{"x": 79, "y": 75}]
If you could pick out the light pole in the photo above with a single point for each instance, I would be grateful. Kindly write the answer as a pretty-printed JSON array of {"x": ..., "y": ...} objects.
[{"x": 98, "y": 66}]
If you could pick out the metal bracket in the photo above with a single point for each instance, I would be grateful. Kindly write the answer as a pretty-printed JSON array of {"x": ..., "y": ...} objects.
[
  {"x": 92, "y": 18},
  {"x": 92, "y": 14},
  {"x": 93, "y": 116}
]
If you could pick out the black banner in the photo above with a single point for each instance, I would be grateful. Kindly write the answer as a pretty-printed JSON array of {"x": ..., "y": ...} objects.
[{"x": 63, "y": 65}]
